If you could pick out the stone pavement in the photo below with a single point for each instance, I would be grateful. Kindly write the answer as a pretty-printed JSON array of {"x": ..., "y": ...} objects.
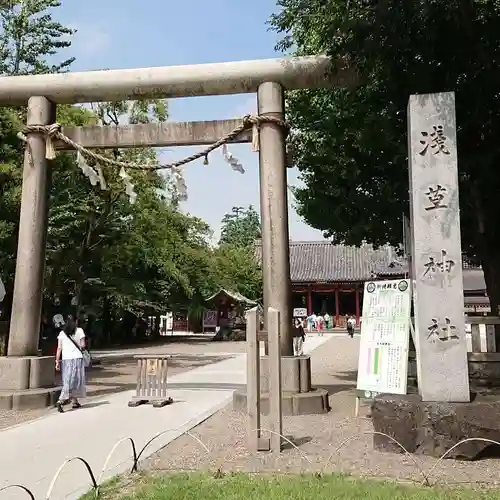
[
  {"x": 33, "y": 451},
  {"x": 200, "y": 347}
]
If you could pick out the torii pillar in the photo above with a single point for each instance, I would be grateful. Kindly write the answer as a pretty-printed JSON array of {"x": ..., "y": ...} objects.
[
  {"x": 274, "y": 212},
  {"x": 297, "y": 398},
  {"x": 26, "y": 379}
]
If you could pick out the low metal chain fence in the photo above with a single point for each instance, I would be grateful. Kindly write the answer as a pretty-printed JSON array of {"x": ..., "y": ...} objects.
[{"x": 97, "y": 481}]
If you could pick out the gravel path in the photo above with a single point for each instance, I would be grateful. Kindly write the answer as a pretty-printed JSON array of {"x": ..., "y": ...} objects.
[
  {"x": 119, "y": 374},
  {"x": 335, "y": 442}
]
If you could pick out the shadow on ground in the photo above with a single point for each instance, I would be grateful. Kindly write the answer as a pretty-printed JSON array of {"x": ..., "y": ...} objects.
[
  {"x": 119, "y": 375},
  {"x": 346, "y": 382},
  {"x": 297, "y": 442},
  {"x": 164, "y": 340},
  {"x": 94, "y": 405}
]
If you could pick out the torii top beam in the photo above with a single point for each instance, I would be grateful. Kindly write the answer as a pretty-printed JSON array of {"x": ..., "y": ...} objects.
[{"x": 173, "y": 81}]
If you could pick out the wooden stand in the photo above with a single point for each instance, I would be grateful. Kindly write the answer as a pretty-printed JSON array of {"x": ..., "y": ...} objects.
[{"x": 151, "y": 382}]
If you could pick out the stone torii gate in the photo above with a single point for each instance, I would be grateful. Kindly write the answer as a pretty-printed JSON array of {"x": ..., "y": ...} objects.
[{"x": 27, "y": 380}]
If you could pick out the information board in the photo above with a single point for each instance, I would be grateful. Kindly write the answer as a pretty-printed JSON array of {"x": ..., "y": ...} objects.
[
  {"x": 385, "y": 335},
  {"x": 300, "y": 312},
  {"x": 209, "y": 319}
]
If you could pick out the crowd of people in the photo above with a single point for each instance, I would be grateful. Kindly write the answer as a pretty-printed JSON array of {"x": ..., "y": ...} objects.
[
  {"x": 318, "y": 323},
  {"x": 323, "y": 322}
]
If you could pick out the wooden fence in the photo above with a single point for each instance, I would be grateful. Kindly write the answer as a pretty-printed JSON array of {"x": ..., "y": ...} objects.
[{"x": 482, "y": 327}]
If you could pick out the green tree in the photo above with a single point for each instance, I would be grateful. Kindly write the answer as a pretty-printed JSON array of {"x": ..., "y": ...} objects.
[
  {"x": 237, "y": 269},
  {"x": 10, "y": 191},
  {"x": 235, "y": 263},
  {"x": 350, "y": 143},
  {"x": 240, "y": 228},
  {"x": 104, "y": 254},
  {"x": 29, "y": 37},
  {"x": 109, "y": 257},
  {"x": 101, "y": 245}
]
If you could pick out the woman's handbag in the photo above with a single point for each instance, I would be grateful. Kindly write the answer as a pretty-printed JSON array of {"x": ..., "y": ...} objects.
[{"x": 87, "y": 358}]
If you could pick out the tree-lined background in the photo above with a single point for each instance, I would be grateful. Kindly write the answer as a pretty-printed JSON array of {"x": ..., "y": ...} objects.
[
  {"x": 111, "y": 259},
  {"x": 108, "y": 259},
  {"x": 351, "y": 143}
]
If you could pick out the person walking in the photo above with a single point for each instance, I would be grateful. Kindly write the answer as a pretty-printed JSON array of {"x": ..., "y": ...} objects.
[
  {"x": 351, "y": 322},
  {"x": 320, "y": 324},
  {"x": 299, "y": 336},
  {"x": 310, "y": 322},
  {"x": 328, "y": 321},
  {"x": 71, "y": 361}
]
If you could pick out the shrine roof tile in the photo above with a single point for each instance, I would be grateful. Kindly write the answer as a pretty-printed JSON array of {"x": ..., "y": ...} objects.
[
  {"x": 318, "y": 261},
  {"x": 323, "y": 262}
]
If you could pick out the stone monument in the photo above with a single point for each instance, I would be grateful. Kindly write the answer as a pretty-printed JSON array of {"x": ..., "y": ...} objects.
[
  {"x": 436, "y": 249},
  {"x": 441, "y": 415}
]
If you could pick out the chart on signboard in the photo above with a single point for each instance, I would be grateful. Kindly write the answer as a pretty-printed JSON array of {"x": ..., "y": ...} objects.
[{"x": 383, "y": 352}]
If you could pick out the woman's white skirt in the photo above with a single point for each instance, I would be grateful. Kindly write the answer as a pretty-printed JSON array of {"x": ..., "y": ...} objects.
[{"x": 73, "y": 379}]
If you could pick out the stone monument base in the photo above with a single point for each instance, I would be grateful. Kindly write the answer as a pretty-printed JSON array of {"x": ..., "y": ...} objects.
[
  {"x": 27, "y": 382},
  {"x": 431, "y": 428},
  {"x": 484, "y": 368},
  {"x": 298, "y": 398}
]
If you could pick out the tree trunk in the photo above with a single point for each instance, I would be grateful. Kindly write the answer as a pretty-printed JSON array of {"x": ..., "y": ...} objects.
[
  {"x": 156, "y": 331},
  {"x": 84, "y": 258},
  {"x": 107, "y": 322}
]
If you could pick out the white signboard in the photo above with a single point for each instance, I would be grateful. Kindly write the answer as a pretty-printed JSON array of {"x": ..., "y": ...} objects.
[
  {"x": 300, "y": 312},
  {"x": 209, "y": 319},
  {"x": 385, "y": 335},
  {"x": 2, "y": 291}
]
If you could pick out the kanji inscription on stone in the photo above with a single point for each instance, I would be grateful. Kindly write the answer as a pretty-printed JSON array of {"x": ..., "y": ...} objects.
[
  {"x": 436, "y": 263},
  {"x": 435, "y": 141},
  {"x": 442, "y": 332},
  {"x": 436, "y": 196},
  {"x": 444, "y": 265}
]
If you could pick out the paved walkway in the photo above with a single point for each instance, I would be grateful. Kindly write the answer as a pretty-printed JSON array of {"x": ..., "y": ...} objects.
[
  {"x": 167, "y": 348},
  {"x": 32, "y": 452}
]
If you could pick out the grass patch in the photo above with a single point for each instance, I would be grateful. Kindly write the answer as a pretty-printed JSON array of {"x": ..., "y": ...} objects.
[{"x": 199, "y": 486}]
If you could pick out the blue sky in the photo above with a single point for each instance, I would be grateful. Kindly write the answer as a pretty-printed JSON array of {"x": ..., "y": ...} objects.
[{"x": 133, "y": 33}]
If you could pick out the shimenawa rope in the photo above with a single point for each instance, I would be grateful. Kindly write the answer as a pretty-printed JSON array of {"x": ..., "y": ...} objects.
[{"x": 53, "y": 132}]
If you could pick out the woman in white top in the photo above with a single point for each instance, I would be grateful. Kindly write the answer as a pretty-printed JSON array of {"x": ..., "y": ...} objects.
[
  {"x": 351, "y": 324},
  {"x": 69, "y": 360}
]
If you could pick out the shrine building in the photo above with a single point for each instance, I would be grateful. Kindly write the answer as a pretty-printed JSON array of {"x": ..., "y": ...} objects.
[{"x": 330, "y": 278}]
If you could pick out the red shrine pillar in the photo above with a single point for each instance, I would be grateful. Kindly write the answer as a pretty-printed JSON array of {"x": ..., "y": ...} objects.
[
  {"x": 337, "y": 307},
  {"x": 357, "y": 306},
  {"x": 309, "y": 301}
]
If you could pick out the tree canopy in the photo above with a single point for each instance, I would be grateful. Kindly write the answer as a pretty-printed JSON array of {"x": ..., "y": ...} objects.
[
  {"x": 350, "y": 143},
  {"x": 29, "y": 37},
  {"x": 235, "y": 259},
  {"x": 108, "y": 254},
  {"x": 240, "y": 228}
]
